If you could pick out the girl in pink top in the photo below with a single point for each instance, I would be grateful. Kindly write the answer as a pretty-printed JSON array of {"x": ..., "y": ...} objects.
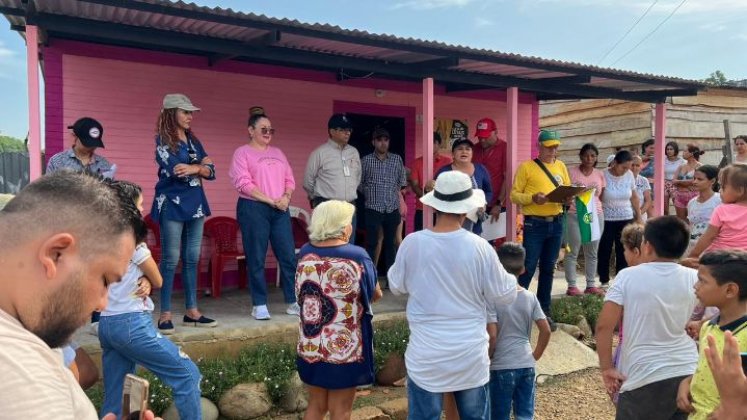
[
  {"x": 729, "y": 220},
  {"x": 264, "y": 179}
]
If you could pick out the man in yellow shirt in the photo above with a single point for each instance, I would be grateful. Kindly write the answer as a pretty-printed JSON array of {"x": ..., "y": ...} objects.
[{"x": 543, "y": 220}]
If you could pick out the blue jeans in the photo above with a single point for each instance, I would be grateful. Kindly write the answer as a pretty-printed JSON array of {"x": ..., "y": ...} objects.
[
  {"x": 512, "y": 386},
  {"x": 130, "y": 339},
  {"x": 259, "y": 224},
  {"x": 472, "y": 404},
  {"x": 177, "y": 238},
  {"x": 542, "y": 244}
]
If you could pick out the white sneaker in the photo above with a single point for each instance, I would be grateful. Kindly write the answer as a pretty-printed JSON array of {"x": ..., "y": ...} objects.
[
  {"x": 293, "y": 309},
  {"x": 260, "y": 312}
]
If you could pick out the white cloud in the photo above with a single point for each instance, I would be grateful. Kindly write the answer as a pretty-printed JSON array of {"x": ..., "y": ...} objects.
[
  {"x": 663, "y": 6},
  {"x": 12, "y": 64},
  {"x": 431, "y": 4},
  {"x": 481, "y": 22}
]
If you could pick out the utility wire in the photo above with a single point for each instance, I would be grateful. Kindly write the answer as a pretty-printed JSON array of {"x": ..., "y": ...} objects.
[
  {"x": 650, "y": 33},
  {"x": 628, "y": 32}
]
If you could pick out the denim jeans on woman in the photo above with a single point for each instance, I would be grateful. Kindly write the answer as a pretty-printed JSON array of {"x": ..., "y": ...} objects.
[
  {"x": 573, "y": 235},
  {"x": 512, "y": 386},
  {"x": 130, "y": 339},
  {"x": 542, "y": 243},
  {"x": 180, "y": 239},
  {"x": 472, "y": 404},
  {"x": 261, "y": 224}
]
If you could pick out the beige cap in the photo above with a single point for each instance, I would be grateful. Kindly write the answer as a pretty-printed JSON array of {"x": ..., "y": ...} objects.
[{"x": 177, "y": 100}]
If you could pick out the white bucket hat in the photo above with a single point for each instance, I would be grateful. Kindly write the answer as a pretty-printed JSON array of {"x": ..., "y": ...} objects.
[{"x": 454, "y": 194}]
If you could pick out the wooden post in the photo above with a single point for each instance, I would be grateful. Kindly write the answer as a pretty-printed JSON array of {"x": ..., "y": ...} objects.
[
  {"x": 512, "y": 138},
  {"x": 427, "y": 140},
  {"x": 726, "y": 148}
]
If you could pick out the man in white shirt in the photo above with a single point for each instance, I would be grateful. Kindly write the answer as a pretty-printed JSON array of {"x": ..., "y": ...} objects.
[
  {"x": 65, "y": 238},
  {"x": 333, "y": 171},
  {"x": 656, "y": 298},
  {"x": 451, "y": 275}
]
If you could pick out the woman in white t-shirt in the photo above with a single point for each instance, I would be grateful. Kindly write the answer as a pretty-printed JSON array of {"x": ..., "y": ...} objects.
[
  {"x": 129, "y": 338},
  {"x": 740, "y": 149},
  {"x": 620, "y": 205}
]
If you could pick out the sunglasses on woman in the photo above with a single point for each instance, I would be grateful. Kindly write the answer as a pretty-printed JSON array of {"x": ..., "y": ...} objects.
[{"x": 266, "y": 131}]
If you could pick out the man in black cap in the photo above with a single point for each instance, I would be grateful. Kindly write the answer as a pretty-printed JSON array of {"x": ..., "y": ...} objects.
[
  {"x": 333, "y": 171},
  {"x": 87, "y": 134}
]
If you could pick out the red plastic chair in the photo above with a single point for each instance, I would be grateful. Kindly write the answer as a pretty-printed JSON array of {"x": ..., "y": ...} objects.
[{"x": 223, "y": 231}]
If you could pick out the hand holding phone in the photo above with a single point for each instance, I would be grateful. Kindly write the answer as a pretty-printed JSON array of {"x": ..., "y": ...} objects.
[{"x": 134, "y": 397}]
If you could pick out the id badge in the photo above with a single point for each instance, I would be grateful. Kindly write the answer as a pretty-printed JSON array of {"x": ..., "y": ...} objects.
[{"x": 345, "y": 168}]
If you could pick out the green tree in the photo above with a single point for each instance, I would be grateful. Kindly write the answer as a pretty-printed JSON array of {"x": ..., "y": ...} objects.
[
  {"x": 717, "y": 78},
  {"x": 11, "y": 144}
]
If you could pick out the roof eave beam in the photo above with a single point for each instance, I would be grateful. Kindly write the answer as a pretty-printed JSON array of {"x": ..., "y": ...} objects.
[{"x": 270, "y": 38}]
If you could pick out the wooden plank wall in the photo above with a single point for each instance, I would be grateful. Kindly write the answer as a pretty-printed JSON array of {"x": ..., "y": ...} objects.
[{"x": 611, "y": 123}]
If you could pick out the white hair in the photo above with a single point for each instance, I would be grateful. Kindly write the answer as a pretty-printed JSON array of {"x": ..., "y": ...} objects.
[{"x": 329, "y": 220}]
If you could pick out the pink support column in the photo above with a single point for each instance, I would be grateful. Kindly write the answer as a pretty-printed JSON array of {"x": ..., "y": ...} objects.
[
  {"x": 427, "y": 144},
  {"x": 32, "y": 68},
  {"x": 512, "y": 138},
  {"x": 660, "y": 131}
]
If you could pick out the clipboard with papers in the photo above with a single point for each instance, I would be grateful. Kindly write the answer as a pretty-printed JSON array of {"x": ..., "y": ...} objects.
[{"x": 563, "y": 192}]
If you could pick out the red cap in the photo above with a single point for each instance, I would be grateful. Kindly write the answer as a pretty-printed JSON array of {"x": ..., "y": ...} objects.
[{"x": 485, "y": 127}]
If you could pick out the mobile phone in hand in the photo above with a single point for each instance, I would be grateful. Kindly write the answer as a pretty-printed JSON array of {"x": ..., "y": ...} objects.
[
  {"x": 744, "y": 362},
  {"x": 134, "y": 397}
]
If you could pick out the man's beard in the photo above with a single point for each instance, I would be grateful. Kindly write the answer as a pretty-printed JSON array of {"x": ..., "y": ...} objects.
[{"x": 61, "y": 313}]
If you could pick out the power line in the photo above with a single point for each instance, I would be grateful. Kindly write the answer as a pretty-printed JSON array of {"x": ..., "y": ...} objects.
[
  {"x": 628, "y": 32},
  {"x": 650, "y": 33}
]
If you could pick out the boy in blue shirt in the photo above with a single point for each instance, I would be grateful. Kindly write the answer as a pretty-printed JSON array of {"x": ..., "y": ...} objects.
[{"x": 512, "y": 363}]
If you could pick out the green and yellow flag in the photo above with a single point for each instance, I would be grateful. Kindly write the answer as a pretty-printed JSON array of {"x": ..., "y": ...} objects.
[{"x": 588, "y": 222}]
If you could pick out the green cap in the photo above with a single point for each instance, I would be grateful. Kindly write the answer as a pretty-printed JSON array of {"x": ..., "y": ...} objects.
[{"x": 549, "y": 138}]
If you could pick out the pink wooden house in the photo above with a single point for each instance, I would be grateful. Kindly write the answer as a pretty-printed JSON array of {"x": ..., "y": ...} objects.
[{"x": 114, "y": 61}]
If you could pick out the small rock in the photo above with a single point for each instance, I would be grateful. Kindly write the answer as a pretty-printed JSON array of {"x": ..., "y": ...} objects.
[
  {"x": 296, "y": 398},
  {"x": 245, "y": 401},
  {"x": 369, "y": 413},
  {"x": 209, "y": 411},
  {"x": 396, "y": 409},
  {"x": 583, "y": 325},
  {"x": 571, "y": 330},
  {"x": 393, "y": 370}
]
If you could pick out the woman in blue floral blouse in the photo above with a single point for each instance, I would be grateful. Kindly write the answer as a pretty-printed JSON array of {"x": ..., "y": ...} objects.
[{"x": 180, "y": 205}]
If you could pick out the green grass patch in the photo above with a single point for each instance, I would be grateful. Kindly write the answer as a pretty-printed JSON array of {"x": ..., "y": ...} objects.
[{"x": 570, "y": 309}]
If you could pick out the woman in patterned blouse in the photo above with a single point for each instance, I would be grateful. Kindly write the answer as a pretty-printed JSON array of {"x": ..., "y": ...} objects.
[
  {"x": 180, "y": 205},
  {"x": 335, "y": 285}
]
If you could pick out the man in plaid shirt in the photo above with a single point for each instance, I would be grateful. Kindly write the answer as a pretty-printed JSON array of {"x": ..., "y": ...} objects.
[{"x": 383, "y": 177}]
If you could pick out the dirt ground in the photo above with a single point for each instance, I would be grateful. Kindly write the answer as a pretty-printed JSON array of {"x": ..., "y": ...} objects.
[{"x": 578, "y": 396}]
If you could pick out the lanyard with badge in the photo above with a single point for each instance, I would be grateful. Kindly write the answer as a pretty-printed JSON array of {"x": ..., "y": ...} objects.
[{"x": 345, "y": 167}]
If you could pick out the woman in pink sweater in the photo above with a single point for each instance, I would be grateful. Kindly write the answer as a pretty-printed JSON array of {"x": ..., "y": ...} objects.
[{"x": 264, "y": 179}]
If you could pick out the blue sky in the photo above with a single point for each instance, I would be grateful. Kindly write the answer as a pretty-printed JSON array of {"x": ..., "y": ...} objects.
[{"x": 702, "y": 36}]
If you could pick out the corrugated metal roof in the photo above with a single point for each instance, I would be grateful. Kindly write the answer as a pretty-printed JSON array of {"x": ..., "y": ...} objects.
[{"x": 477, "y": 65}]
